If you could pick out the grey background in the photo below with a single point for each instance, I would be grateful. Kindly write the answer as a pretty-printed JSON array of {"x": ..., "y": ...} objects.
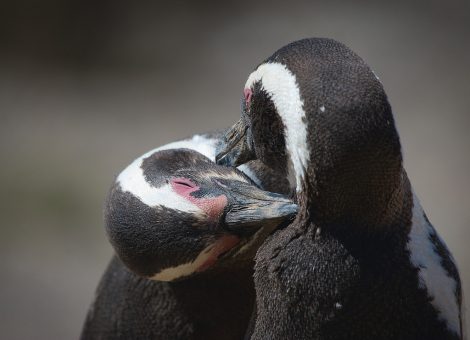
[{"x": 87, "y": 86}]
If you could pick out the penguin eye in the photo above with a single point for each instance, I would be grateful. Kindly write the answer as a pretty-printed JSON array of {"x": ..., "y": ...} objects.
[
  {"x": 184, "y": 186},
  {"x": 182, "y": 182}
]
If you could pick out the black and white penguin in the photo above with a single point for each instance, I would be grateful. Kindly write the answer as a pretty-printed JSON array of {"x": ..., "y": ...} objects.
[
  {"x": 185, "y": 232},
  {"x": 361, "y": 260}
]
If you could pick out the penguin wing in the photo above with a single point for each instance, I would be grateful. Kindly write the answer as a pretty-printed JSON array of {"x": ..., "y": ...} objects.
[{"x": 130, "y": 307}]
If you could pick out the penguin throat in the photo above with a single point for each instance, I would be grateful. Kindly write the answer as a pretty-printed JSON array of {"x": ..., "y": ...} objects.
[
  {"x": 221, "y": 246},
  {"x": 204, "y": 260},
  {"x": 361, "y": 206}
]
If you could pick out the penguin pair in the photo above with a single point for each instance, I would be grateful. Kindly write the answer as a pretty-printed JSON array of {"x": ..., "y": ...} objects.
[
  {"x": 185, "y": 232},
  {"x": 361, "y": 260}
]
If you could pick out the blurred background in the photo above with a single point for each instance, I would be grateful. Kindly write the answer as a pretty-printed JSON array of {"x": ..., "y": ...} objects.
[{"x": 87, "y": 86}]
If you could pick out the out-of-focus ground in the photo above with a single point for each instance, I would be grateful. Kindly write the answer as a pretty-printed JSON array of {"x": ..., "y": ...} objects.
[{"x": 86, "y": 86}]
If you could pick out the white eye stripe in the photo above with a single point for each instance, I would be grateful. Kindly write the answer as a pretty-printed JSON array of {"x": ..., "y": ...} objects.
[
  {"x": 281, "y": 85},
  {"x": 161, "y": 196},
  {"x": 132, "y": 178},
  {"x": 201, "y": 144}
]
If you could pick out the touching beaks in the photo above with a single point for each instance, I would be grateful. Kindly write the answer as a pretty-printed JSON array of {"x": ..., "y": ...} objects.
[
  {"x": 237, "y": 148},
  {"x": 252, "y": 208}
]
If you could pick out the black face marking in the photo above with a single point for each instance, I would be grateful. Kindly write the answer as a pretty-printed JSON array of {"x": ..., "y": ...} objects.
[
  {"x": 267, "y": 131},
  {"x": 162, "y": 165},
  {"x": 270, "y": 180}
]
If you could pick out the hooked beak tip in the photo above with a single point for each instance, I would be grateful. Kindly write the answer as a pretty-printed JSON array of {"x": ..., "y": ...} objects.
[
  {"x": 248, "y": 219},
  {"x": 236, "y": 149}
]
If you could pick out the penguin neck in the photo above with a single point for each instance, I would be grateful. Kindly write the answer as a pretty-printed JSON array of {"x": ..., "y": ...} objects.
[
  {"x": 373, "y": 204},
  {"x": 222, "y": 296}
]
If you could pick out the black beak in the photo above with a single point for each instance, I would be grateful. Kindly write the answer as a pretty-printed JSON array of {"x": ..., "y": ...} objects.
[
  {"x": 252, "y": 208},
  {"x": 238, "y": 145}
]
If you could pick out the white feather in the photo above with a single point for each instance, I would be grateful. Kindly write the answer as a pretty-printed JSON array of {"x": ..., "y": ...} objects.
[
  {"x": 249, "y": 172},
  {"x": 282, "y": 87},
  {"x": 132, "y": 178},
  {"x": 201, "y": 144},
  {"x": 185, "y": 269},
  {"x": 433, "y": 277}
]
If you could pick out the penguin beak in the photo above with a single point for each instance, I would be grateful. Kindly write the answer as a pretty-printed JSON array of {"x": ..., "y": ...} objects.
[
  {"x": 238, "y": 147},
  {"x": 252, "y": 208}
]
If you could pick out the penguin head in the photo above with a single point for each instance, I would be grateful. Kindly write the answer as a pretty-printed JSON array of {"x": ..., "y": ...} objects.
[
  {"x": 175, "y": 213},
  {"x": 318, "y": 115}
]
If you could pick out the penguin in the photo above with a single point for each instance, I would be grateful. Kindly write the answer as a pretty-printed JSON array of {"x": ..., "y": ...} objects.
[
  {"x": 361, "y": 260},
  {"x": 185, "y": 232}
]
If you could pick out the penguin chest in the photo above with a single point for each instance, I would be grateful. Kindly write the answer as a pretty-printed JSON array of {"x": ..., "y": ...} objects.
[
  {"x": 312, "y": 285},
  {"x": 304, "y": 278}
]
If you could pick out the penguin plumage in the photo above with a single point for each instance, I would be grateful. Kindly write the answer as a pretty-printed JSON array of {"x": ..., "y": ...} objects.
[
  {"x": 174, "y": 215},
  {"x": 361, "y": 260}
]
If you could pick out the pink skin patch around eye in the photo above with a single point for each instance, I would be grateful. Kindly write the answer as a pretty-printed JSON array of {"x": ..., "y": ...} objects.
[
  {"x": 213, "y": 207},
  {"x": 248, "y": 93}
]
